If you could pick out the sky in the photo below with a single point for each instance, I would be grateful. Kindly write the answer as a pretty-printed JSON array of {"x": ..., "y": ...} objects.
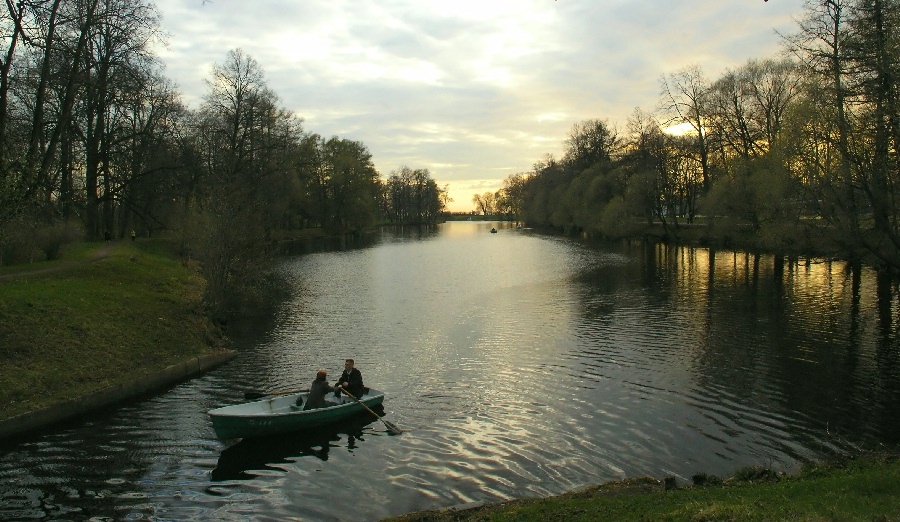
[{"x": 472, "y": 90}]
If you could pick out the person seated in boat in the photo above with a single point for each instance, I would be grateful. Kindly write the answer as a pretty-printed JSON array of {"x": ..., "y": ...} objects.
[
  {"x": 317, "y": 391},
  {"x": 351, "y": 380}
]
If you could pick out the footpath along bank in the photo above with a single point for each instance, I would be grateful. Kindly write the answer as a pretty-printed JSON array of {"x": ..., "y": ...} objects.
[{"x": 105, "y": 323}]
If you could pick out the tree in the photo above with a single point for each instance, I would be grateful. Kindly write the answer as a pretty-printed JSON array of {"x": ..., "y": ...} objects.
[
  {"x": 774, "y": 86},
  {"x": 411, "y": 197},
  {"x": 821, "y": 47},
  {"x": 485, "y": 203},
  {"x": 874, "y": 51},
  {"x": 647, "y": 161},
  {"x": 511, "y": 200},
  {"x": 686, "y": 101},
  {"x": 13, "y": 17},
  {"x": 353, "y": 185},
  {"x": 118, "y": 71},
  {"x": 246, "y": 150},
  {"x": 749, "y": 106},
  {"x": 850, "y": 50},
  {"x": 590, "y": 142}
]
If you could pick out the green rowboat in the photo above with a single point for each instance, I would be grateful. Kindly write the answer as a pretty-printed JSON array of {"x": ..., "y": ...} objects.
[{"x": 281, "y": 414}]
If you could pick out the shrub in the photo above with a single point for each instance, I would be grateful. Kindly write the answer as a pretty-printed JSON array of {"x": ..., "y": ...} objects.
[
  {"x": 51, "y": 238},
  {"x": 27, "y": 241}
]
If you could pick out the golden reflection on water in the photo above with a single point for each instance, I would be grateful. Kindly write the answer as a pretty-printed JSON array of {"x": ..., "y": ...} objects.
[
  {"x": 809, "y": 284},
  {"x": 517, "y": 365}
]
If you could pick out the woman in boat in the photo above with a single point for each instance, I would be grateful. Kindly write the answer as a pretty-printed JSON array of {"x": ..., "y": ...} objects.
[
  {"x": 317, "y": 391},
  {"x": 351, "y": 380}
]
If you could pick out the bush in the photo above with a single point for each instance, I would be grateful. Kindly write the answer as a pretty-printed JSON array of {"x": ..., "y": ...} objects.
[
  {"x": 26, "y": 241},
  {"x": 615, "y": 222},
  {"x": 51, "y": 238}
]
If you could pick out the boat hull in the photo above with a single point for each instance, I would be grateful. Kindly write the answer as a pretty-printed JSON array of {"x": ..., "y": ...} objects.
[{"x": 275, "y": 415}]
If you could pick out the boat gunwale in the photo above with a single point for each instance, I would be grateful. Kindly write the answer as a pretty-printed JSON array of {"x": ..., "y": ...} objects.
[{"x": 222, "y": 413}]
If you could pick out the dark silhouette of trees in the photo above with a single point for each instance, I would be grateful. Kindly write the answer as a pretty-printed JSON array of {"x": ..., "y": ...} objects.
[
  {"x": 686, "y": 100},
  {"x": 94, "y": 142},
  {"x": 486, "y": 203},
  {"x": 784, "y": 154},
  {"x": 412, "y": 197},
  {"x": 75, "y": 81},
  {"x": 790, "y": 155}
]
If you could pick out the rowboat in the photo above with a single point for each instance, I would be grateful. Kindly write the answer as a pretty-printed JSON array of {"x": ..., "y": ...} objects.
[{"x": 281, "y": 414}]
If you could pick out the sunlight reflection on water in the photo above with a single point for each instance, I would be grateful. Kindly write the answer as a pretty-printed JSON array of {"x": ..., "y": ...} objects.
[{"x": 516, "y": 364}]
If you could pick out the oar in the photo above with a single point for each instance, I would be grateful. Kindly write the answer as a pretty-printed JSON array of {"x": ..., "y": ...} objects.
[
  {"x": 253, "y": 395},
  {"x": 393, "y": 430}
]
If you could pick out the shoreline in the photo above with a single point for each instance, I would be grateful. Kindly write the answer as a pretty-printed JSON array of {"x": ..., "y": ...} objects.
[
  {"x": 127, "y": 322},
  {"x": 27, "y": 423},
  {"x": 854, "y": 487}
]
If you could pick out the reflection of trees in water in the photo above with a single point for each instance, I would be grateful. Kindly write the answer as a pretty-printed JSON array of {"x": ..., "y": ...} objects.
[
  {"x": 815, "y": 345},
  {"x": 240, "y": 461},
  {"x": 812, "y": 343}
]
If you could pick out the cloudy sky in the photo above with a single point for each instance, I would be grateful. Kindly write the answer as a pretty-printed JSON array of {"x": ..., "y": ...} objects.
[{"x": 472, "y": 90}]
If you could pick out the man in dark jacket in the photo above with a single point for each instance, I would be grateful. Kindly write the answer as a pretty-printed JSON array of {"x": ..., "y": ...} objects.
[
  {"x": 351, "y": 380},
  {"x": 317, "y": 392}
]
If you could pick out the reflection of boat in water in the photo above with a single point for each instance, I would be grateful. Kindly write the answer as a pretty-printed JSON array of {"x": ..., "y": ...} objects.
[
  {"x": 239, "y": 461},
  {"x": 493, "y": 230},
  {"x": 281, "y": 414}
]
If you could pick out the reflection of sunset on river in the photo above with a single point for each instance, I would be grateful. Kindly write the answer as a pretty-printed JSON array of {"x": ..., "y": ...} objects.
[{"x": 517, "y": 365}]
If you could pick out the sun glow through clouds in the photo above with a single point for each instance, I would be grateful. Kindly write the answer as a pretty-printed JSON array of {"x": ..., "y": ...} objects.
[{"x": 488, "y": 87}]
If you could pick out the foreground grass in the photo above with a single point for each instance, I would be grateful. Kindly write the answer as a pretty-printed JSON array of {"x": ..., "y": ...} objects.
[
  {"x": 103, "y": 315},
  {"x": 862, "y": 489}
]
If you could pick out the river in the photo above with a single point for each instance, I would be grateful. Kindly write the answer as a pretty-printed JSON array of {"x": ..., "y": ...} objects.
[{"x": 517, "y": 364}]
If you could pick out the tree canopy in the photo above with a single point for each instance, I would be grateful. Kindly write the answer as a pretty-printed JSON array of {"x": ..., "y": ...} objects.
[
  {"x": 95, "y": 142},
  {"x": 797, "y": 153}
]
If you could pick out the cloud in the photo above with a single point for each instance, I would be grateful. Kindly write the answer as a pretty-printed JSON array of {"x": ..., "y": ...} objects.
[{"x": 473, "y": 90}]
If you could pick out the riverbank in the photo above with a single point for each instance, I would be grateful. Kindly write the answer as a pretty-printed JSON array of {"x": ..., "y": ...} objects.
[
  {"x": 866, "y": 488},
  {"x": 105, "y": 323}
]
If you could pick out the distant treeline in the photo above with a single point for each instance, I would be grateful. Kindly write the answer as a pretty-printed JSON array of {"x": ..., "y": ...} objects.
[
  {"x": 95, "y": 142},
  {"x": 797, "y": 154}
]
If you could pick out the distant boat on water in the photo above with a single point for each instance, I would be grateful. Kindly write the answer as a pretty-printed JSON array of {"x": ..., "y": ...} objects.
[{"x": 493, "y": 231}]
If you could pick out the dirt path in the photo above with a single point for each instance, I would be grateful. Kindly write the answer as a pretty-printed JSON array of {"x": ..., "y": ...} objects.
[{"x": 101, "y": 253}]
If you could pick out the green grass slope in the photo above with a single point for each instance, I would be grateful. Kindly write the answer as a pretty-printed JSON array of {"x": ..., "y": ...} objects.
[{"x": 102, "y": 315}]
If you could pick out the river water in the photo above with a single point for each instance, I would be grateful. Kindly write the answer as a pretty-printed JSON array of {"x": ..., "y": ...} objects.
[{"x": 518, "y": 365}]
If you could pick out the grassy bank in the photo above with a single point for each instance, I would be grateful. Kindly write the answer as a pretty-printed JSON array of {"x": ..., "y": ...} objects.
[
  {"x": 862, "y": 489},
  {"x": 102, "y": 315}
]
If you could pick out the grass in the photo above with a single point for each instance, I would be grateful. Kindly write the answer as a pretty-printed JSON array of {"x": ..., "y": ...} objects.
[
  {"x": 100, "y": 316},
  {"x": 861, "y": 489}
]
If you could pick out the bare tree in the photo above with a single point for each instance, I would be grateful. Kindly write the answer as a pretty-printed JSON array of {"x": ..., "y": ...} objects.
[
  {"x": 485, "y": 203},
  {"x": 821, "y": 47},
  {"x": 686, "y": 100},
  {"x": 590, "y": 142}
]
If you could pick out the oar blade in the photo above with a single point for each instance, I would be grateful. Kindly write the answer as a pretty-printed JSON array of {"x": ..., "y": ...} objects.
[{"x": 392, "y": 428}]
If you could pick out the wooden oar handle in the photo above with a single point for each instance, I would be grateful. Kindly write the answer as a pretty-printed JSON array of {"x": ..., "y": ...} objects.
[{"x": 347, "y": 392}]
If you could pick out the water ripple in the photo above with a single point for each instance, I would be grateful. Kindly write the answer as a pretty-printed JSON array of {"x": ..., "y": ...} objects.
[{"x": 565, "y": 367}]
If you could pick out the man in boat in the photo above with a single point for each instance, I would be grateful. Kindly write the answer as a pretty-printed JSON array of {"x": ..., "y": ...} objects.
[
  {"x": 351, "y": 380},
  {"x": 317, "y": 391}
]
